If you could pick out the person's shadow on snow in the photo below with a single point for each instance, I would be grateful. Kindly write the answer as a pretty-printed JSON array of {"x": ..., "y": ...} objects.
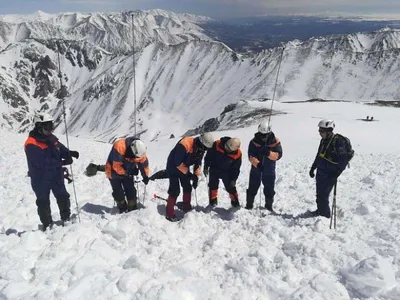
[
  {"x": 162, "y": 207},
  {"x": 98, "y": 209}
]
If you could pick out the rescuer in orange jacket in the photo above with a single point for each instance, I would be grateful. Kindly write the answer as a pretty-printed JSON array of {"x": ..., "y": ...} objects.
[{"x": 126, "y": 158}]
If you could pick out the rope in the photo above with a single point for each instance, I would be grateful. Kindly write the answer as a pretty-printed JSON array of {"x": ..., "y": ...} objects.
[
  {"x": 134, "y": 75},
  {"x": 272, "y": 105},
  {"x": 62, "y": 95},
  {"x": 276, "y": 83}
]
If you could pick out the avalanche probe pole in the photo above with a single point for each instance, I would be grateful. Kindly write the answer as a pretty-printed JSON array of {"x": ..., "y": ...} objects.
[
  {"x": 134, "y": 92},
  {"x": 333, "y": 214},
  {"x": 62, "y": 93},
  {"x": 276, "y": 83}
]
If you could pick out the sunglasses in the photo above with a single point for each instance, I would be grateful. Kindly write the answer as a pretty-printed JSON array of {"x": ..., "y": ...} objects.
[{"x": 48, "y": 126}]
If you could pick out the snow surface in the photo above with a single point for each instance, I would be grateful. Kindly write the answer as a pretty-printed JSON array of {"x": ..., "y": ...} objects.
[{"x": 221, "y": 254}]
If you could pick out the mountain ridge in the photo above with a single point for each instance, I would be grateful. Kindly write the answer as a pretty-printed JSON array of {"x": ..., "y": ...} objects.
[{"x": 176, "y": 79}]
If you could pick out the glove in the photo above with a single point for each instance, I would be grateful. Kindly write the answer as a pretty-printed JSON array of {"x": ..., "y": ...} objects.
[
  {"x": 146, "y": 180},
  {"x": 67, "y": 161},
  {"x": 311, "y": 173},
  {"x": 205, "y": 171},
  {"x": 194, "y": 178},
  {"x": 74, "y": 154},
  {"x": 133, "y": 172}
]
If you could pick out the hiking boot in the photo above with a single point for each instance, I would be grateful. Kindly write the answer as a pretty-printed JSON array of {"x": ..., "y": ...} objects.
[
  {"x": 249, "y": 205},
  {"x": 213, "y": 202},
  {"x": 172, "y": 218},
  {"x": 268, "y": 206},
  {"x": 132, "y": 205},
  {"x": 186, "y": 199},
  {"x": 186, "y": 207},
  {"x": 249, "y": 200},
  {"x": 268, "y": 203},
  {"x": 317, "y": 213},
  {"x": 44, "y": 227},
  {"x": 235, "y": 203},
  {"x": 122, "y": 206}
]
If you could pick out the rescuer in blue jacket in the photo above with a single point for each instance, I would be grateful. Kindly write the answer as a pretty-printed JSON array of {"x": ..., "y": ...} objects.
[
  {"x": 330, "y": 161},
  {"x": 187, "y": 152},
  {"x": 46, "y": 157},
  {"x": 263, "y": 152},
  {"x": 223, "y": 161}
]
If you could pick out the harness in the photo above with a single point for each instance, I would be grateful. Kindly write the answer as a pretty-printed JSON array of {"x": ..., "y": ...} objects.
[{"x": 323, "y": 154}]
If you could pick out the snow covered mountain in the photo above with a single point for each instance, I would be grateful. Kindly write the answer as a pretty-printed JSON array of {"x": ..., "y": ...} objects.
[
  {"x": 110, "y": 31},
  {"x": 179, "y": 71}
]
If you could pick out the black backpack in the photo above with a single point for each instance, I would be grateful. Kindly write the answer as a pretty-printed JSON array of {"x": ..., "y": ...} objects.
[{"x": 349, "y": 149}]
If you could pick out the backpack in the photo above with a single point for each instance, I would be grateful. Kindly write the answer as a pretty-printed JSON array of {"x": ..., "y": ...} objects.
[{"x": 348, "y": 148}]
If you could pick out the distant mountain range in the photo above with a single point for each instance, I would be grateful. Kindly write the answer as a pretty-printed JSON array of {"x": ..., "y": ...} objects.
[
  {"x": 256, "y": 34},
  {"x": 183, "y": 76}
]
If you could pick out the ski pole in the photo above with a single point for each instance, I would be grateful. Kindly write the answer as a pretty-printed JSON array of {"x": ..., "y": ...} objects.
[
  {"x": 137, "y": 188},
  {"x": 259, "y": 208},
  {"x": 177, "y": 204},
  {"x": 333, "y": 214},
  {"x": 334, "y": 195},
  {"x": 144, "y": 195},
  {"x": 195, "y": 195},
  {"x": 155, "y": 196}
]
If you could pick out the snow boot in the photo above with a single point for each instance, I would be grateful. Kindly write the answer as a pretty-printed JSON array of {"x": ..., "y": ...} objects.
[
  {"x": 64, "y": 206},
  {"x": 213, "y": 202},
  {"x": 212, "y": 197},
  {"x": 268, "y": 204},
  {"x": 234, "y": 200},
  {"x": 172, "y": 218},
  {"x": 44, "y": 212},
  {"x": 249, "y": 200},
  {"x": 132, "y": 205},
  {"x": 122, "y": 206},
  {"x": 170, "y": 209},
  {"x": 187, "y": 198}
]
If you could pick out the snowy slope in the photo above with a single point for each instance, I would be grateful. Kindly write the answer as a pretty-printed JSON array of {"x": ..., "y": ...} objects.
[{"x": 217, "y": 255}]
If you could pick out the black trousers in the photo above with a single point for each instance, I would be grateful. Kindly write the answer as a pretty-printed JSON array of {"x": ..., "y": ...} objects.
[
  {"x": 215, "y": 176},
  {"x": 122, "y": 188},
  {"x": 174, "y": 181}
]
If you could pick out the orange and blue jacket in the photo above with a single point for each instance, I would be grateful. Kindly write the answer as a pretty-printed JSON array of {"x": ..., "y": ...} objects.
[
  {"x": 122, "y": 162},
  {"x": 264, "y": 154},
  {"x": 45, "y": 156},
  {"x": 218, "y": 159},
  {"x": 185, "y": 154}
]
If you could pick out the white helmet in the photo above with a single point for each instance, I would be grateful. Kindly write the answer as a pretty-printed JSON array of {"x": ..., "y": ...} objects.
[
  {"x": 42, "y": 118},
  {"x": 138, "y": 148},
  {"x": 207, "y": 139},
  {"x": 327, "y": 124},
  {"x": 232, "y": 144},
  {"x": 264, "y": 128}
]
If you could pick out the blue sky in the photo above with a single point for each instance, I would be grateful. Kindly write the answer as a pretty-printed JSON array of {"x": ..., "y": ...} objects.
[{"x": 213, "y": 8}]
